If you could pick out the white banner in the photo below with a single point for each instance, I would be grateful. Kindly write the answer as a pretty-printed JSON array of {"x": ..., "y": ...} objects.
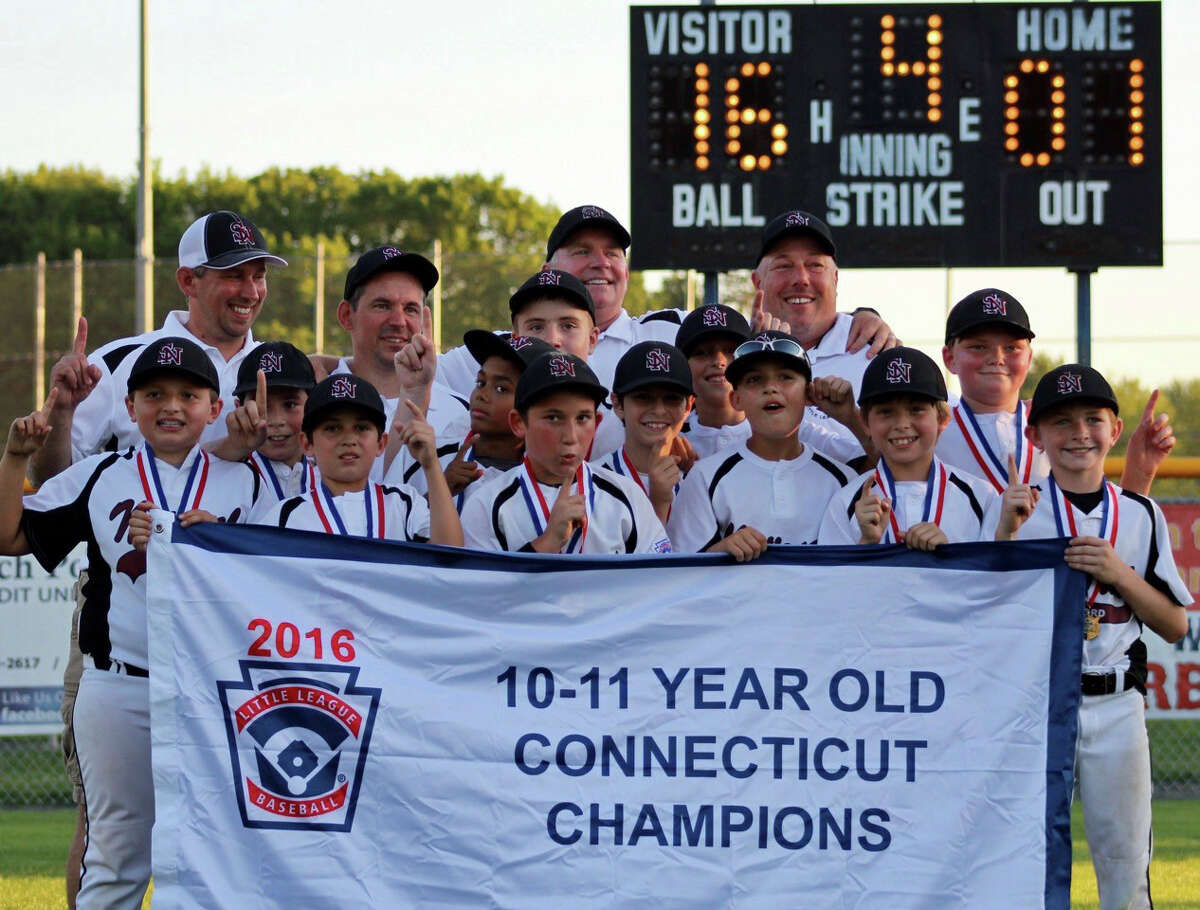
[
  {"x": 35, "y": 614},
  {"x": 359, "y": 723}
]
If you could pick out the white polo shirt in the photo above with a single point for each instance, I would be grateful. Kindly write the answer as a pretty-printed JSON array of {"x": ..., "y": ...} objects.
[
  {"x": 91, "y": 501},
  {"x": 510, "y": 511},
  {"x": 101, "y": 422},
  {"x": 785, "y": 500}
]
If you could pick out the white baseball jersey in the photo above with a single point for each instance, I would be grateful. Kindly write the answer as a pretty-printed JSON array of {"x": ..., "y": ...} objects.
[
  {"x": 92, "y": 500},
  {"x": 407, "y": 470},
  {"x": 979, "y": 445},
  {"x": 378, "y": 511},
  {"x": 964, "y": 507},
  {"x": 281, "y": 481},
  {"x": 101, "y": 421},
  {"x": 708, "y": 440},
  {"x": 619, "y": 462},
  {"x": 820, "y": 435},
  {"x": 785, "y": 500},
  {"x": 1138, "y": 532},
  {"x": 510, "y": 511}
]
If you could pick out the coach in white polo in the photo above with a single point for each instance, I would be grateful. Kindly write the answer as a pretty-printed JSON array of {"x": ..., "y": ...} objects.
[{"x": 222, "y": 272}]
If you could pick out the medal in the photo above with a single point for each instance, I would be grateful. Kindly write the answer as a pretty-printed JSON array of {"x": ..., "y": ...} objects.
[
  {"x": 1091, "y": 625},
  {"x": 1064, "y": 520}
]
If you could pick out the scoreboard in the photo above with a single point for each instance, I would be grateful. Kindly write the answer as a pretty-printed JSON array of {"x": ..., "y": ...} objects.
[{"x": 1007, "y": 134}]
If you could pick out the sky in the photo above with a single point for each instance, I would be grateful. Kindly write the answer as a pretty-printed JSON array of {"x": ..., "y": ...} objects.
[{"x": 536, "y": 91}]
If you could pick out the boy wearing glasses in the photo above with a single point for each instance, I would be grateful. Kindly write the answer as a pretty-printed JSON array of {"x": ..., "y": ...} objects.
[{"x": 770, "y": 489}]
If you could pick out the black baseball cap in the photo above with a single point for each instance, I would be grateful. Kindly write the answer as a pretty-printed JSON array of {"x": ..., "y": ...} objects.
[
  {"x": 986, "y": 308},
  {"x": 556, "y": 284},
  {"x": 343, "y": 390},
  {"x": 769, "y": 345},
  {"x": 902, "y": 371},
  {"x": 389, "y": 259},
  {"x": 1069, "y": 383},
  {"x": 585, "y": 216},
  {"x": 554, "y": 372},
  {"x": 796, "y": 222},
  {"x": 173, "y": 355},
  {"x": 652, "y": 363},
  {"x": 714, "y": 319},
  {"x": 518, "y": 350},
  {"x": 221, "y": 240},
  {"x": 285, "y": 366}
]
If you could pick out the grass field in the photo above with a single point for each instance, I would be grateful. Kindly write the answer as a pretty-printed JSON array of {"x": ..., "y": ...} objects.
[{"x": 33, "y": 845}]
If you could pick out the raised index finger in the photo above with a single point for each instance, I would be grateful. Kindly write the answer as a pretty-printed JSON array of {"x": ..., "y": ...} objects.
[
  {"x": 80, "y": 344},
  {"x": 427, "y": 321},
  {"x": 1148, "y": 412},
  {"x": 48, "y": 406},
  {"x": 260, "y": 394},
  {"x": 1012, "y": 470}
]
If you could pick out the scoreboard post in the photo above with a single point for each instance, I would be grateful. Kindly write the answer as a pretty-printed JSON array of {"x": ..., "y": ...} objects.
[{"x": 925, "y": 135}]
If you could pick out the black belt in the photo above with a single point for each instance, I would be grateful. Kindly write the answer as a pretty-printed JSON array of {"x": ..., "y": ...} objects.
[
  {"x": 119, "y": 666},
  {"x": 1105, "y": 683}
]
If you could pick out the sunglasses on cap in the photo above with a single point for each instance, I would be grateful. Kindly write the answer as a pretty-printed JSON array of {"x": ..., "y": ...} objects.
[{"x": 775, "y": 345}]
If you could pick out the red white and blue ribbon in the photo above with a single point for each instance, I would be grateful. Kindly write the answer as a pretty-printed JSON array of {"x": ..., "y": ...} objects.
[
  {"x": 1064, "y": 520},
  {"x": 539, "y": 509},
  {"x": 994, "y": 470},
  {"x": 623, "y": 464},
  {"x": 373, "y": 504},
  {"x": 148, "y": 471},
  {"x": 935, "y": 497},
  {"x": 266, "y": 470}
]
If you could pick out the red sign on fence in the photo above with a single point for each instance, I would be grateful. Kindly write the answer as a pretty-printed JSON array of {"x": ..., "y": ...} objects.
[{"x": 1173, "y": 687}]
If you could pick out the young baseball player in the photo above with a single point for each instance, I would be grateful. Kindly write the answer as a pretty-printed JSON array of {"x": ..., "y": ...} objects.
[
  {"x": 343, "y": 432},
  {"x": 911, "y": 496},
  {"x": 490, "y": 448},
  {"x": 988, "y": 347},
  {"x": 652, "y": 397},
  {"x": 173, "y": 391},
  {"x": 708, "y": 337},
  {"x": 554, "y": 502},
  {"x": 1120, "y": 539},
  {"x": 272, "y": 387},
  {"x": 772, "y": 488}
]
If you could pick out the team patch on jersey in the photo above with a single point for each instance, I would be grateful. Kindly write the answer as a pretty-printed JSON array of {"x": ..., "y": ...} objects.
[
  {"x": 658, "y": 360},
  {"x": 170, "y": 355},
  {"x": 713, "y": 317},
  {"x": 561, "y": 366},
  {"x": 299, "y": 734},
  {"x": 548, "y": 278},
  {"x": 390, "y": 252},
  {"x": 1069, "y": 383},
  {"x": 796, "y": 219},
  {"x": 898, "y": 371},
  {"x": 342, "y": 387},
  {"x": 662, "y": 545},
  {"x": 271, "y": 362},
  {"x": 241, "y": 233},
  {"x": 995, "y": 305}
]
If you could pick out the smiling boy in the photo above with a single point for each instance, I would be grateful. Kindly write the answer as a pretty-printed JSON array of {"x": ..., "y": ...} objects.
[{"x": 553, "y": 501}]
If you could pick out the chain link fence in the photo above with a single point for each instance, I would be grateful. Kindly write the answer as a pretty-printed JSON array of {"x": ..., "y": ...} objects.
[{"x": 302, "y": 308}]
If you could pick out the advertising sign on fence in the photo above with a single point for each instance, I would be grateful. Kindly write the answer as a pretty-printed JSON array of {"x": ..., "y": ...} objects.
[{"x": 1174, "y": 681}]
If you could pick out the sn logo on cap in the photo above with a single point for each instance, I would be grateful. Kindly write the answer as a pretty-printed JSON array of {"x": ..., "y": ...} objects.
[
  {"x": 561, "y": 366},
  {"x": 390, "y": 252},
  {"x": 240, "y": 231},
  {"x": 658, "y": 360},
  {"x": 593, "y": 211},
  {"x": 342, "y": 388},
  {"x": 995, "y": 305},
  {"x": 550, "y": 278},
  {"x": 795, "y": 219},
  {"x": 170, "y": 355},
  {"x": 517, "y": 342},
  {"x": 713, "y": 317},
  {"x": 1070, "y": 382},
  {"x": 271, "y": 362},
  {"x": 898, "y": 371}
]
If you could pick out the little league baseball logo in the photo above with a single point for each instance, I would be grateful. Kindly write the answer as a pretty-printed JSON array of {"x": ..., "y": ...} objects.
[
  {"x": 548, "y": 278},
  {"x": 170, "y": 355},
  {"x": 713, "y": 317},
  {"x": 390, "y": 252},
  {"x": 298, "y": 736},
  {"x": 560, "y": 366},
  {"x": 342, "y": 388},
  {"x": 1070, "y": 382},
  {"x": 994, "y": 305},
  {"x": 796, "y": 219},
  {"x": 658, "y": 361},
  {"x": 241, "y": 233},
  {"x": 271, "y": 362},
  {"x": 898, "y": 371}
]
